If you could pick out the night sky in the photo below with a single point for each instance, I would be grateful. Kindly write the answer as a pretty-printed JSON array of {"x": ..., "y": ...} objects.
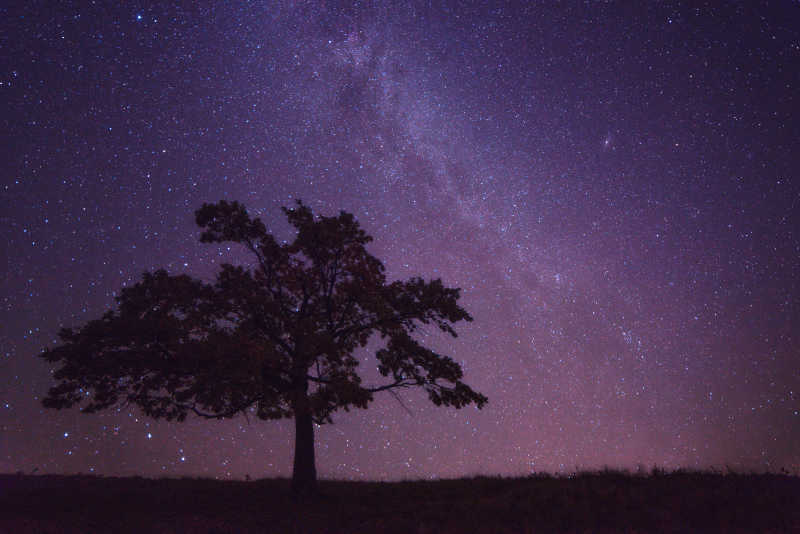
[{"x": 613, "y": 185}]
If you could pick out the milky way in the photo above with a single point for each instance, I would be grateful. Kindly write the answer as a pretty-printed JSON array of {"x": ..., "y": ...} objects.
[{"x": 614, "y": 188}]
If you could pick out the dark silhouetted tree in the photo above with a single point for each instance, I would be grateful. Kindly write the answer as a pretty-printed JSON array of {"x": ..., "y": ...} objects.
[{"x": 275, "y": 339}]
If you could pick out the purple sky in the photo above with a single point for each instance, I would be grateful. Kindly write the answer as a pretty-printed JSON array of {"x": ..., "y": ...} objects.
[{"x": 614, "y": 188}]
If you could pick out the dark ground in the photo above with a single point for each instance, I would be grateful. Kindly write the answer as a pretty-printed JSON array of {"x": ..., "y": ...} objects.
[{"x": 605, "y": 501}]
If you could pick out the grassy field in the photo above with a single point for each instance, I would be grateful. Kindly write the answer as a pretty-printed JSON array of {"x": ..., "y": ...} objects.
[{"x": 605, "y": 501}]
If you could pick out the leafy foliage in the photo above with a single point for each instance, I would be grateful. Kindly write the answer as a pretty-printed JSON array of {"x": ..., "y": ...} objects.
[{"x": 278, "y": 335}]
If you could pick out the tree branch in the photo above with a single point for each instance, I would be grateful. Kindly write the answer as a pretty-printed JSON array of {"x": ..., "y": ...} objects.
[
  {"x": 266, "y": 267},
  {"x": 400, "y": 401},
  {"x": 374, "y": 324},
  {"x": 222, "y": 415},
  {"x": 396, "y": 384},
  {"x": 318, "y": 379}
]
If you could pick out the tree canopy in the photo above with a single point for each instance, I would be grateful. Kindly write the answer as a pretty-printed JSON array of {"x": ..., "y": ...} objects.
[{"x": 276, "y": 338}]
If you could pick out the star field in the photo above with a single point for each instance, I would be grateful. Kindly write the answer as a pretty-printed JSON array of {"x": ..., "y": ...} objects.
[{"x": 614, "y": 188}]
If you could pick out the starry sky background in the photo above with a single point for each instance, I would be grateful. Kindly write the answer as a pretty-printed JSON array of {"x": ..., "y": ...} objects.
[{"x": 613, "y": 185}]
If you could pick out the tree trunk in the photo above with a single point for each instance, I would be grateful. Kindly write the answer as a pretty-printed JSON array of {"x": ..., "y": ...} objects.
[{"x": 304, "y": 472}]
